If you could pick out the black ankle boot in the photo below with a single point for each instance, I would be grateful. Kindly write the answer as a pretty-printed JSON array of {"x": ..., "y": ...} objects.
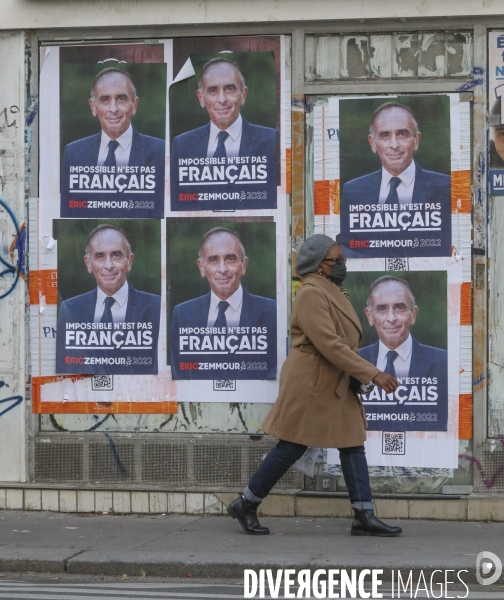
[
  {"x": 246, "y": 513},
  {"x": 365, "y": 523}
]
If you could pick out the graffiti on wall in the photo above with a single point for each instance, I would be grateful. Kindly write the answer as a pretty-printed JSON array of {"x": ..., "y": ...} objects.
[
  {"x": 17, "y": 254},
  {"x": 7, "y": 404}
]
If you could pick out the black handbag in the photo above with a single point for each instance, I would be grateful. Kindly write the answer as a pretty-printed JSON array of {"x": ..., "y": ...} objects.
[{"x": 355, "y": 385}]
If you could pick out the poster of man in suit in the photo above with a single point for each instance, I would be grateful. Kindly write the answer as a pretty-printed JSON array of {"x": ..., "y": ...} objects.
[
  {"x": 404, "y": 319},
  {"x": 395, "y": 176},
  {"x": 222, "y": 299},
  {"x": 109, "y": 275},
  {"x": 224, "y": 132},
  {"x": 112, "y": 140}
]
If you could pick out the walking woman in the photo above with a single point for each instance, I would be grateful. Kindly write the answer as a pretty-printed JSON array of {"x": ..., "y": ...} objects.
[{"x": 316, "y": 405}]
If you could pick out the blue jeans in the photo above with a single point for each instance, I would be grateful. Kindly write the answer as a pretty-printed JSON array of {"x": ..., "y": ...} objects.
[{"x": 285, "y": 454}]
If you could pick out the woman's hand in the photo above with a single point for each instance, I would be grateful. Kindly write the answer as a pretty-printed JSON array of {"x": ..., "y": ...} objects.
[{"x": 386, "y": 382}]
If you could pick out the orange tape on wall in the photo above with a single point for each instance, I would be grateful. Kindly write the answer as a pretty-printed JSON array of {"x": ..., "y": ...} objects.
[
  {"x": 326, "y": 197},
  {"x": 466, "y": 303},
  {"x": 93, "y": 408},
  {"x": 461, "y": 191},
  {"x": 465, "y": 417},
  {"x": 327, "y": 194},
  {"x": 44, "y": 283}
]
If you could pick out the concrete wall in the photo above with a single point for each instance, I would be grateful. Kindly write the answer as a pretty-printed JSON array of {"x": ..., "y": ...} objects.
[
  {"x": 36, "y": 14},
  {"x": 13, "y": 360}
]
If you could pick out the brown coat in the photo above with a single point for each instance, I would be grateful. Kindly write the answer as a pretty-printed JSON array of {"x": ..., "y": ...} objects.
[{"x": 315, "y": 405}]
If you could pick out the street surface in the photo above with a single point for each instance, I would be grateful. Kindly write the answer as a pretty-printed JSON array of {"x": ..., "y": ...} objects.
[{"x": 72, "y": 587}]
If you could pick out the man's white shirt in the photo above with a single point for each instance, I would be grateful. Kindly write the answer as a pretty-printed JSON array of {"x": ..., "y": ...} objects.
[
  {"x": 118, "y": 308},
  {"x": 233, "y": 141},
  {"x": 402, "y": 362},
  {"x": 233, "y": 311},
  {"x": 123, "y": 151},
  {"x": 404, "y": 189}
]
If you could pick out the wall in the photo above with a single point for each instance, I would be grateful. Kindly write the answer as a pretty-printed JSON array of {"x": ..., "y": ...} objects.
[
  {"x": 36, "y": 14},
  {"x": 12, "y": 286},
  {"x": 193, "y": 417}
]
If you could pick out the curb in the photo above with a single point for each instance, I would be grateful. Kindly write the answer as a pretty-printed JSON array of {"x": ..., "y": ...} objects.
[{"x": 183, "y": 570}]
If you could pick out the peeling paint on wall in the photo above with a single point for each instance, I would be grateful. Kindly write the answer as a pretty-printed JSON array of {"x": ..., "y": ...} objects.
[{"x": 391, "y": 55}]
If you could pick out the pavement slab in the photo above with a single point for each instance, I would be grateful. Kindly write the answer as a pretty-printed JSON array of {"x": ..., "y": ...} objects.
[{"x": 215, "y": 546}]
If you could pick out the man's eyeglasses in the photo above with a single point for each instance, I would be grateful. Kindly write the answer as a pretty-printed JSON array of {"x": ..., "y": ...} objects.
[{"x": 339, "y": 260}]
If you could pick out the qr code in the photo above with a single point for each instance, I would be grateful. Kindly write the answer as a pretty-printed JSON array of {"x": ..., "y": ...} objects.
[
  {"x": 397, "y": 264},
  {"x": 394, "y": 442},
  {"x": 226, "y": 385},
  {"x": 102, "y": 383}
]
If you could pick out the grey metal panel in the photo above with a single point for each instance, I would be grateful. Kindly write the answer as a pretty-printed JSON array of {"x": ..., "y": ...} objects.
[{"x": 201, "y": 461}]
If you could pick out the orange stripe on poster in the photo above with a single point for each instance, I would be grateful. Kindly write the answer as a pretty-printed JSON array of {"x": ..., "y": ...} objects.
[
  {"x": 288, "y": 170},
  {"x": 44, "y": 283},
  {"x": 326, "y": 197},
  {"x": 461, "y": 191},
  {"x": 465, "y": 303},
  {"x": 465, "y": 417},
  {"x": 93, "y": 408}
]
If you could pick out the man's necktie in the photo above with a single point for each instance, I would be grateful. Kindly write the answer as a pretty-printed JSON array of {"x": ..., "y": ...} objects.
[
  {"x": 389, "y": 367},
  {"x": 220, "y": 152},
  {"x": 107, "y": 313},
  {"x": 392, "y": 197},
  {"x": 110, "y": 161},
  {"x": 221, "y": 317}
]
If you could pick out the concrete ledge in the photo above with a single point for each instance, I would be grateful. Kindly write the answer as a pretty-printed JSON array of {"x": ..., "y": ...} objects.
[
  {"x": 392, "y": 509},
  {"x": 281, "y": 503},
  {"x": 322, "y": 507},
  {"x": 438, "y": 509}
]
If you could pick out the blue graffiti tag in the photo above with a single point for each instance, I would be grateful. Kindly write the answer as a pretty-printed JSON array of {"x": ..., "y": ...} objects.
[
  {"x": 17, "y": 400},
  {"x": 120, "y": 467},
  {"x": 11, "y": 269},
  {"x": 31, "y": 112},
  {"x": 470, "y": 85}
]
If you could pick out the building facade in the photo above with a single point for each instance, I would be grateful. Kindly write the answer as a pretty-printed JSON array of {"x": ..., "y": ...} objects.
[{"x": 314, "y": 76}]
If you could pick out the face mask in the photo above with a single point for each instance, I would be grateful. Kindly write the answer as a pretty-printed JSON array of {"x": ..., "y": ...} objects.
[{"x": 338, "y": 273}]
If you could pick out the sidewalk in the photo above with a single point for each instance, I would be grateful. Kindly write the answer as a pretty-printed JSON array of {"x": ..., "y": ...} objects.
[{"x": 206, "y": 546}]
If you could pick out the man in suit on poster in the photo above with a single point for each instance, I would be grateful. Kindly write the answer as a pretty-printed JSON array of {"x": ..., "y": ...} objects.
[
  {"x": 394, "y": 136},
  {"x": 496, "y": 136},
  {"x": 391, "y": 309},
  {"x": 108, "y": 258},
  {"x": 222, "y": 92},
  {"x": 113, "y": 102},
  {"x": 222, "y": 260}
]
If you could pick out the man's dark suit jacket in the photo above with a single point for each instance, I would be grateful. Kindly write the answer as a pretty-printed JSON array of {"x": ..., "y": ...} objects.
[
  {"x": 255, "y": 141},
  {"x": 426, "y": 361},
  {"x": 142, "y": 308},
  {"x": 429, "y": 187},
  {"x": 146, "y": 151},
  {"x": 496, "y": 161},
  {"x": 256, "y": 312}
]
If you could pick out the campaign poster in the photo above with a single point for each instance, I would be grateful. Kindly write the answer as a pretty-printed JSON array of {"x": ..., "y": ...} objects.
[
  {"x": 405, "y": 327},
  {"x": 495, "y": 105},
  {"x": 112, "y": 139},
  {"x": 395, "y": 176},
  {"x": 224, "y": 130},
  {"x": 222, "y": 309},
  {"x": 109, "y": 296}
]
